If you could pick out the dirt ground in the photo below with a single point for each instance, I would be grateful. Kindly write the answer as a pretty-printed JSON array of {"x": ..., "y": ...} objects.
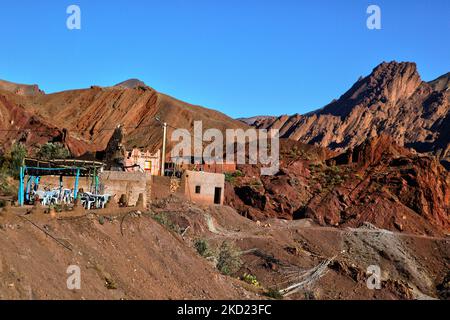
[
  {"x": 132, "y": 256},
  {"x": 134, "y": 259}
]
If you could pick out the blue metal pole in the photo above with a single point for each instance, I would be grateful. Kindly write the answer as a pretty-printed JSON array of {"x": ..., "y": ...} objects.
[
  {"x": 36, "y": 183},
  {"x": 21, "y": 186},
  {"x": 75, "y": 191}
]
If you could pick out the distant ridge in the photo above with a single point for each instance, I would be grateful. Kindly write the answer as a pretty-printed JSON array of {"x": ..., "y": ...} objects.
[
  {"x": 20, "y": 89},
  {"x": 255, "y": 120},
  {"x": 131, "y": 84}
]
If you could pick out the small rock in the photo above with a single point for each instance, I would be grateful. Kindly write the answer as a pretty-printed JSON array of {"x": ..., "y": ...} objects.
[{"x": 399, "y": 226}]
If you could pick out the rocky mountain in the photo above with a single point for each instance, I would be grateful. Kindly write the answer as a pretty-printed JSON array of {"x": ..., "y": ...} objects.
[
  {"x": 392, "y": 99},
  {"x": 85, "y": 119}
]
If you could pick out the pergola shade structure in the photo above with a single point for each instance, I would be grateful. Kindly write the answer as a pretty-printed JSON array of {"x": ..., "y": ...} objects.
[{"x": 34, "y": 169}]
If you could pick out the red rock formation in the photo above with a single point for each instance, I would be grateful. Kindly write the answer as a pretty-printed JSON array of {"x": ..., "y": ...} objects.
[
  {"x": 398, "y": 190},
  {"x": 19, "y": 125},
  {"x": 371, "y": 151},
  {"x": 377, "y": 182}
]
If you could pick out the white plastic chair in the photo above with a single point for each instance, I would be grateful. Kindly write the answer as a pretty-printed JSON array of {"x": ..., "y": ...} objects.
[
  {"x": 87, "y": 200},
  {"x": 103, "y": 199}
]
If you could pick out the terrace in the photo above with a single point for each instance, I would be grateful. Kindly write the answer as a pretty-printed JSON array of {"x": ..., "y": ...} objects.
[{"x": 33, "y": 169}]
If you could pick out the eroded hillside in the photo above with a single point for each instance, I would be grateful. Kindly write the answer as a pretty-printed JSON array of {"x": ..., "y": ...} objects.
[
  {"x": 85, "y": 119},
  {"x": 156, "y": 255}
]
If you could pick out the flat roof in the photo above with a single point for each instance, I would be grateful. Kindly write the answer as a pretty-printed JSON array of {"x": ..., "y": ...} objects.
[{"x": 61, "y": 167}]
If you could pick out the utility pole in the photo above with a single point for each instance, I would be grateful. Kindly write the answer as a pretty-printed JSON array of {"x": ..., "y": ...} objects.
[{"x": 163, "y": 156}]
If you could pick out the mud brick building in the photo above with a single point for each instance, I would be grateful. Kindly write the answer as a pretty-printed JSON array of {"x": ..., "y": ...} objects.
[
  {"x": 143, "y": 161},
  {"x": 203, "y": 187}
]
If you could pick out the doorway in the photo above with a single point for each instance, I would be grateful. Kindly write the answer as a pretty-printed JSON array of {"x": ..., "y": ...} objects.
[{"x": 217, "y": 195}]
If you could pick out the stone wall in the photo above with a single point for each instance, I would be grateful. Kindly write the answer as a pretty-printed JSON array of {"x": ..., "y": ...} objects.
[{"x": 129, "y": 183}]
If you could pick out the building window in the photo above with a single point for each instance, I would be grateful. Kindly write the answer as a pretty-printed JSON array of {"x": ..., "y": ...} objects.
[{"x": 197, "y": 189}]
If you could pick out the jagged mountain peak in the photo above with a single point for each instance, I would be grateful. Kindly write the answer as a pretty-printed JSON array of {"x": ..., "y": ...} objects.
[
  {"x": 388, "y": 82},
  {"x": 392, "y": 99},
  {"x": 395, "y": 67}
]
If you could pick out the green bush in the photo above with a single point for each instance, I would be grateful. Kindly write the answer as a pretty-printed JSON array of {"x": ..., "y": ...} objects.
[
  {"x": 51, "y": 151},
  {"x": 6, "y": 189},
  {"x": 238, "y": 173},
  {"x": 17, "y": 156},
  {"x": 229, "y": 258},
  {"x": 274, "y": 294},
  {"x": 226, "y": 257},
  {"x": 10, "y": 164},
  {"x": 230, "y": 177},
  {"x": 335, "y": 169},
  {"x": 202, "y": 247},
  {"x": 251, "y": 279},
  {"x": 164, "y": 220}
]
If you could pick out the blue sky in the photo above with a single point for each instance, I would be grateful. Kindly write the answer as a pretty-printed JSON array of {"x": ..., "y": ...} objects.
[{"x": 242, "y": 57}]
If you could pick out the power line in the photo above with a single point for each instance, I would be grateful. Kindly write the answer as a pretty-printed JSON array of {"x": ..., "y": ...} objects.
[
  {"x": 75, "y": 130},
  {"x": 100, "y": 130},
  {"x": 170, "y": 126}
]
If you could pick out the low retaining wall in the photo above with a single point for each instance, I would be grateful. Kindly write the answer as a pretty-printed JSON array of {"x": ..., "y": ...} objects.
[
  {"x": 115, "y": 183},
  {"x": 130, "y": 184}
]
